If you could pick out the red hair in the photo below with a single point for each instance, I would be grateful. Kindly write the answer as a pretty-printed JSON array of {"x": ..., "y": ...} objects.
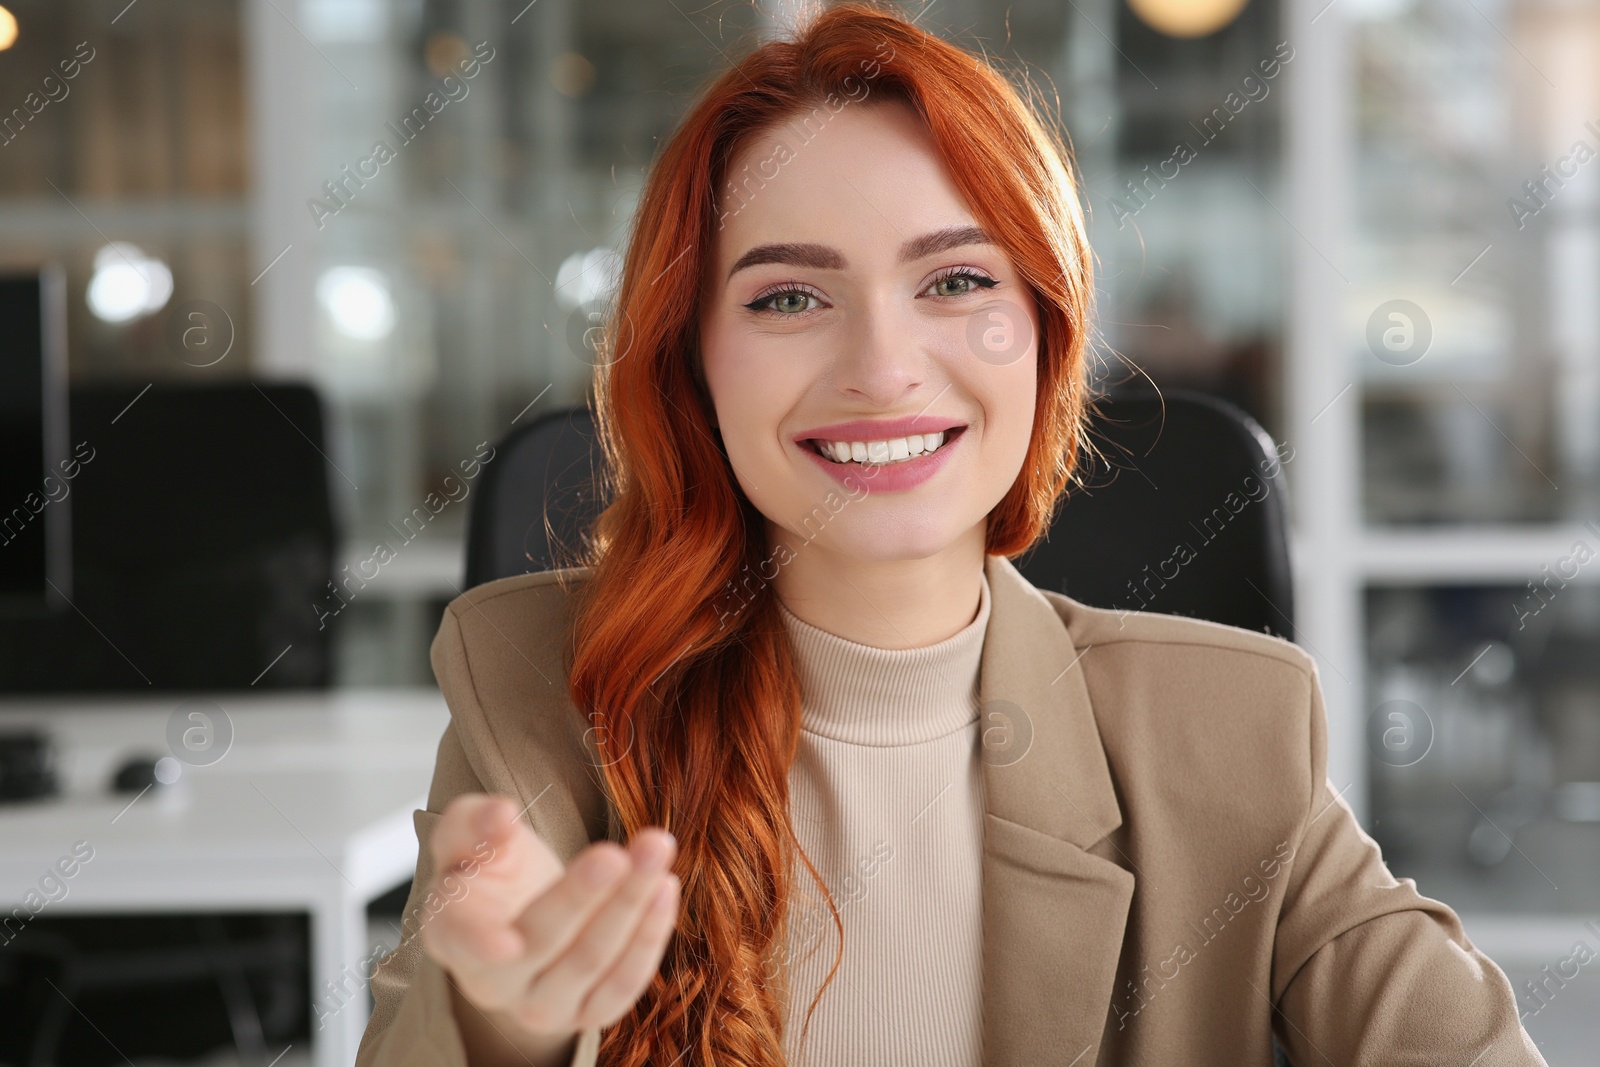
[{"x": 698, "y": 712}]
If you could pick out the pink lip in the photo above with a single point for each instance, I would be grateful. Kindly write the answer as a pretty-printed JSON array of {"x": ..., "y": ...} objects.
[
  {"x": 878, "y": 429},
  {"x": 889, "y": 477}
]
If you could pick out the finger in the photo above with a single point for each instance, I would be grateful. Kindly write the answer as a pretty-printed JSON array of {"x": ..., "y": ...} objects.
[
  {"x": 562, "y": 985},
  {"x": 488, "y": 885},
  {"x": 554, "y": 920},
  {"x": 620, "y": 988},
  {"x": 547, "y": 926},
  {"x": 474, "y": 826}
]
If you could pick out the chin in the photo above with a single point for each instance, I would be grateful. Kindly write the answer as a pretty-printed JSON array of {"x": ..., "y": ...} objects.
[{"x": 889, "y": 542}]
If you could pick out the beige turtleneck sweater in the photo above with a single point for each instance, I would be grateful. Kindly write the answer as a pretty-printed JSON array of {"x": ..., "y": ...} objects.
[{"x": 886, "y": 798}]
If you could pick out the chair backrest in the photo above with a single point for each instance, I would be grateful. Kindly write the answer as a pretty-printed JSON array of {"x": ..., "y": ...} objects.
[
  {"x": 1185, "y": 514},
  {"x": 545, "y": 471},
  {"x": 203, "y": 543}
]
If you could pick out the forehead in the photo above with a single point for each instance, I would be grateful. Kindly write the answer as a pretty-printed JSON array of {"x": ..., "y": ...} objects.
[{"x": 867, "y": 176}]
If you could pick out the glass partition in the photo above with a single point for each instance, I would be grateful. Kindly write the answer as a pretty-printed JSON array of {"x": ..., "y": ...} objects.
[{"x": 1474, "y": 264}]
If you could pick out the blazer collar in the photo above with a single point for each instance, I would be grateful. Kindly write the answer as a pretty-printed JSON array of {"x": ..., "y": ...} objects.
[
  {"x": 1045, "y": 768},
  {"x": 1054, "y": 913}
]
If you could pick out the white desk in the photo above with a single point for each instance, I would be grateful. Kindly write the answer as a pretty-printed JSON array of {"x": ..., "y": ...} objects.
[{"x": 309, "y": 810}]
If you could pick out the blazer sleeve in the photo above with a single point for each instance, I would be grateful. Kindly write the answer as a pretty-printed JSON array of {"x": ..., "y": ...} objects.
[
  {"x": 1366, "y": 969},
  {"x": 413, "y": 1022}
]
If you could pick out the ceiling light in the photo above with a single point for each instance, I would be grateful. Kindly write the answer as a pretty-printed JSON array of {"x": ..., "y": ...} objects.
[
  {"x": 344, "y": 21},
  {"x": 127, "y": 283},
  {"x": 357, "y": 300},
  {"x": 1187, "y": 18},
  {"x": 585, "y": 277}
]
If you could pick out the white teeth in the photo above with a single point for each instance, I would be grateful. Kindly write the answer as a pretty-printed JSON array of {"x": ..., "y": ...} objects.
[{"x": 893, "y": 450}]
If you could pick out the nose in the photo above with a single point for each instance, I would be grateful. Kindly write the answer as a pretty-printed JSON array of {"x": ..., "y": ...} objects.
[{"x": 879, "y": 360}]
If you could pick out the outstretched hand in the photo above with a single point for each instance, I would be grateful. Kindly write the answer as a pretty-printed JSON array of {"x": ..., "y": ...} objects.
[{"x": 546, "y": 948}]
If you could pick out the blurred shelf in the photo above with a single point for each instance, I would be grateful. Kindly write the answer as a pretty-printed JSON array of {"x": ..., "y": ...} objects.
[
  {"x": 1490, "y": 554},
  {"x": 432, "y": 569},
  {"x": 56, "y": 220}
]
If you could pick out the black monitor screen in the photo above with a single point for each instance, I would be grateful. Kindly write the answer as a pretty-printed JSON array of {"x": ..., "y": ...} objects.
[{"x": 30, "y": 410}]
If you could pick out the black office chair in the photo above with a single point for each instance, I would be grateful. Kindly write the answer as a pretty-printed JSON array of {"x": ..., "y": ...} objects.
[
  {"x": 545, "y": 471},
  {"x": 202, "y": 540},
  {"x": 1183, "y": 513},
  {"x": 1181, "y": 469}
]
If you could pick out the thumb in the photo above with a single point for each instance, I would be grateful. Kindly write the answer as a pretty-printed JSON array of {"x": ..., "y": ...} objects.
[
  {"x": 488, "y": 867},
  {"x": 482, "y": 837}
]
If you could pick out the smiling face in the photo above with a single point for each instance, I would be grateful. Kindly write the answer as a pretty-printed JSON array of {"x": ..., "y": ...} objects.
[{"x": 850, "y": 284}]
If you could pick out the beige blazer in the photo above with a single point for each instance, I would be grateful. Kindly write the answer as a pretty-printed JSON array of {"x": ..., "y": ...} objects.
[{"x": 1168, "y": 876}]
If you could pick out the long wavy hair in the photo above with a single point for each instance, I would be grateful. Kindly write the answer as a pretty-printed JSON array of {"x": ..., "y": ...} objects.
[{"x": 695, "y": 709}]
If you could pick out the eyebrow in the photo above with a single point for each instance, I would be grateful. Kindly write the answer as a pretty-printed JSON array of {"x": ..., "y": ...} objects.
[{"x": 822, "y": 257}]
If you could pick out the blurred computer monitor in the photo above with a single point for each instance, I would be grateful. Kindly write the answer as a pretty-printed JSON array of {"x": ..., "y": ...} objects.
[{"x": 35, "y": 494}]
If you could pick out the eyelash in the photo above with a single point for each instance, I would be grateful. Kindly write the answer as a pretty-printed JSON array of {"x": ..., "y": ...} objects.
[{"x": 979, "y": 279}]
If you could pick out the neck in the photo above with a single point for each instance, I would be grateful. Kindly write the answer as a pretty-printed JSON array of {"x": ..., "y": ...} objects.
[{"x": 895, "y": 603}]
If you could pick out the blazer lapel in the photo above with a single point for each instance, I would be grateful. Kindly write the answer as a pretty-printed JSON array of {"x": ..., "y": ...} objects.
[{"x": 1053, "y": 913}]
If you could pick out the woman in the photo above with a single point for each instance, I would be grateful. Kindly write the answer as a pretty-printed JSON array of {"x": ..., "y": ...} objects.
[{"x": 884, "y": 801}]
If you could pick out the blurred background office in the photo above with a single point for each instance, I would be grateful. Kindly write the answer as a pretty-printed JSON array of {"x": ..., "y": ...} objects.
[{"x": 377, "y": 236}]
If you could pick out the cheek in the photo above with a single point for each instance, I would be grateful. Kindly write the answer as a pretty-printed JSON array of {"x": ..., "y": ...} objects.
[
  {"x": 751, "y": 389},
  {"x": 727, "y": 363},
  {"x": 1011, "y": 395},
  {"x": 1021, "y": 393}
]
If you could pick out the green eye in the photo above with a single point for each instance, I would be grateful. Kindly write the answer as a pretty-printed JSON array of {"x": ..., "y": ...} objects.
[
  {"x": 963, "y": 282},
  {"x": 791, "y": 302},
  {"x": 787, "y": 302}
]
